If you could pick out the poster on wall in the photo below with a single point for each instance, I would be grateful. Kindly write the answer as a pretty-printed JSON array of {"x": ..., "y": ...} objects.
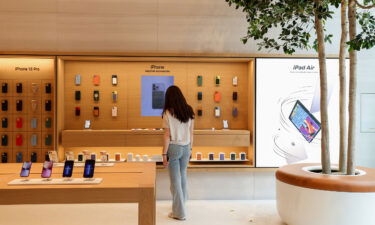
[
  {"x": 153, "y": 92},
  {"x": 288, "y": 111}
]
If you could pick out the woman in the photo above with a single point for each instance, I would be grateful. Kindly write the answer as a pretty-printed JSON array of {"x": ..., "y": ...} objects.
[{"x": 178, "y": 123}]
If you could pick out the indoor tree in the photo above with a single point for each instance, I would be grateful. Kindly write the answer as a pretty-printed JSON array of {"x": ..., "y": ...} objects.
[{"x": 294, "y": 20}]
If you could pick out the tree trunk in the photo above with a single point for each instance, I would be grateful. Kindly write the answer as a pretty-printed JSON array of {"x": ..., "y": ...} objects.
[
  {"x": 325, "y": 156},
  {"x": 352, "y": 89},
  {"x": 342, "y": 75}
]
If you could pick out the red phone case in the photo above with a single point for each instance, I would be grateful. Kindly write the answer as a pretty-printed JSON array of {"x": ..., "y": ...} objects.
[
  {"x": 217, "y": 96},
  {"x": 19, "y": 140},
  {"x": 19, "y": 122}
]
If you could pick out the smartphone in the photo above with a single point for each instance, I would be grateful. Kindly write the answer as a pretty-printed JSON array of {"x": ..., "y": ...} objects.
[
  {"x": 78, "y": 95},
  {"x": 199, "y": 80},
  {"x": 68, "y": 168},
  {"x": 25, "y": 171},
  {"x": 87, "y": 124},
  {"x": 96, "y": 95},
  {"x": 19, "y": 105},
  {"x": 48, "y": 105},
  {"x": 4, "y": 88},
  {"x": 47, "y": 169},
  {"x": 48, "y": 88},
  {"x": 78, "y": 80},
  {"x": 89, "y": 168},
  {"x": 158, "y": 90},
  {"x": 114, "y": 79},
  {"x": 4, "y": 157},
  {"x": 4, "y": 105}
]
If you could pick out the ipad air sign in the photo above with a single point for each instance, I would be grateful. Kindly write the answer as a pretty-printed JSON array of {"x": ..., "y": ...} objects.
[{"x": 288, "y": 111}]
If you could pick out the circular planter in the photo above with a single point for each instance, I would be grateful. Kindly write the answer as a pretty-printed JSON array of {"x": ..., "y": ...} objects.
[{"x": 308, "y": 198}]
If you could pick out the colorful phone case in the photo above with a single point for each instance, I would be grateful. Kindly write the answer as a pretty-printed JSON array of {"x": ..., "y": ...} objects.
[
  {"x": 19, "y": 157},
  {"x": 114, "y": 96},
  {"x": 19, "y": 122},
  {"x": 4, "y": 122},
  {"x": 96, "y": 111},
  {"x": 48, "y": 88},
  {"x": 96, "y": 80},
  {"x": 114, "y": 111},
  {"x": 48, "y": 123},
  {"x": 234, "y": 112},
  {"x": 217, "y": 112},
  {"x": 114, "y": 79},
  {"x": 77, "y": 80},
  {"x": 78, "y": 95},
  {"x": 234, "y": 96},
  {"x": 34, "y": 105},
  {"x": 96, "y": 95},
  {"x": 200, "y": 96},
  {"x": 19, "y": 104},
  {"x": 217, "y": 96},
  {"x": 4, "y": 105},
  {"x": 235, "y": 81},
  {"x": 34, "y": 123},
  {"x": 48, "y": 105},
  {"x": 34, "y": 140},
  {"x": 217, "y": 80},
  {"x": 48, "y": 140},
  {"x": 78, "y": 111},
  {"x": 33, "y": 157},
  {"x": 34, "y": 88},
  {"x": 19, "y": 140},
  {"x": 4, "y": 88},
  {"x": 4, "y": 140},
  {"x": 199, "y": 80},
  {"x": 19, "y": 88}
]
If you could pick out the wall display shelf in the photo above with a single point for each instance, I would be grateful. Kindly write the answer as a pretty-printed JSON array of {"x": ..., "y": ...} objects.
[
  {"x": 28, "y": 108},
  {"x": 87, "y": 91}
]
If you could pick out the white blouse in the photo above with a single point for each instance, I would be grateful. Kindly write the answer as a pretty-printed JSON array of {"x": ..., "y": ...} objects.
[{"x": 179, "y": 132}]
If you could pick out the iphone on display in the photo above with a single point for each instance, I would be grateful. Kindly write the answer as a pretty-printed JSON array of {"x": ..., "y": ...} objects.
[
  {"x": 114, "y": 79},
  {"x": 47, "y": 169},
  {"x": 25, "y": 171},
  {"x": 68, "y": 168},
  {"x": 89, "y": 168},
  {"x": 158, "y": 95}
]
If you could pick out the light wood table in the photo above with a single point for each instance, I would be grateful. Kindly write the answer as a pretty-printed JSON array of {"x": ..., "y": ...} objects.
[{"x": 123, "y": 183}]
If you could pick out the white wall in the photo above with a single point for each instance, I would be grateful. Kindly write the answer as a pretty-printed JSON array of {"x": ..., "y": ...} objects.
[{"x": 165, "y": 26}]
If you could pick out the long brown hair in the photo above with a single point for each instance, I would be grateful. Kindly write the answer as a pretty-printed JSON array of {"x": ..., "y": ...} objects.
[{"x": 176, "y": 105}]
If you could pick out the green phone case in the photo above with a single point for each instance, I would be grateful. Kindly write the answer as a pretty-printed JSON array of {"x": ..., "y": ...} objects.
[
  {"x": 48, "y": 140},
  {"x": 48, "y": 122},
  {"x": 199, "y": 80}
]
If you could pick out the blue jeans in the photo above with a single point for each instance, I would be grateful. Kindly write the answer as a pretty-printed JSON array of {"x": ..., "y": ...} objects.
[{"x": 179, "y": 156}]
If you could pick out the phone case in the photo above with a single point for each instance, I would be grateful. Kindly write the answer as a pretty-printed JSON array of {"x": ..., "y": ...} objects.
[
  {"x": 4, "y": 140},
  {"x": 48, "y": 140},
  {"x": 217, "y": 80},
  {"x": 34, "y": 140},
  {"x": 235, "y": 112},
  {"x": 114, "y": 111},
  {"x": 48, "y": 123},
  {"x": 19, "y": 157},
  {"x": 34, "y": 88},
  {"x": 232, "y": 156},
  {"x": 78, "y": 80},
  {"x": 19, "y": 88},
  {"x": 48, "y": 88},
  {"x": 34, "y": 123},
  {"x": 217, "y": 111},
  {"x": 96, "y": 80},
  {"x": 199, "y": 80},
  {"x": 4, "y": 157},
  {"x": 200, "y": 96},
  {"x": 235, "y": 81},
  {"x": 96, "y": 111},
  {"x": 34, "y": 105},
  {"x": 158, "y": 95},
  {"x": 234, "y": 96},
  {"x": 48, "y": 105},
  {"x": 217, "y": 96},
  {"x": 114, "y": 79},
  {"x": 19, "y": 122},
  {"x": 33, "y": 157},
  {"x": 4, "y": 122},
  {"x": 19, "y": 140},
  {"x": 114, "y": 96},
  {"x": 96, "y": 95},
  {"x": 200, "y": 112},
  {"x": 78, "y": 95},
  {"x": 78, "y": 111},
  {"x": 4, "y": 105},
  {"x": 4, "y": 88},
  {"x": 19, "y": 105}
]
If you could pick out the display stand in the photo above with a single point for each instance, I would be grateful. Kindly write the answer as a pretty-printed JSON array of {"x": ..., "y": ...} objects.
[{"x": 56, "y": 181}]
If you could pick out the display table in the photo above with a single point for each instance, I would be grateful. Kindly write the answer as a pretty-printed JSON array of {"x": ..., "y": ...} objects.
[{"x": 123, "y": 183}]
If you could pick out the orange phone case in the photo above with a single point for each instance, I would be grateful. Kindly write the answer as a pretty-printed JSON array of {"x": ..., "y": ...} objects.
[
  {"x": 217, "y": 96},
  {"x": 96, "y": 80}
]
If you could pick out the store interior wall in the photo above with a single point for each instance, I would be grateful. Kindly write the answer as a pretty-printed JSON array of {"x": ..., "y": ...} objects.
[{"x": 161, "y": 26}]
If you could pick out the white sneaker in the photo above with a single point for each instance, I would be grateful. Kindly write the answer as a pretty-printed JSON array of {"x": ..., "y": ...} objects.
[{"x": 170, "y": 215}]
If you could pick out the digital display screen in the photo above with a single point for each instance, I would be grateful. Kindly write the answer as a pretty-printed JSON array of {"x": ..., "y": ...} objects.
[
  {"x": 68, "y": 168},
  {"x": 89, "y": 168},
  {"x": 47, "y": 169},
  {"x": 304, "y": 121}
]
